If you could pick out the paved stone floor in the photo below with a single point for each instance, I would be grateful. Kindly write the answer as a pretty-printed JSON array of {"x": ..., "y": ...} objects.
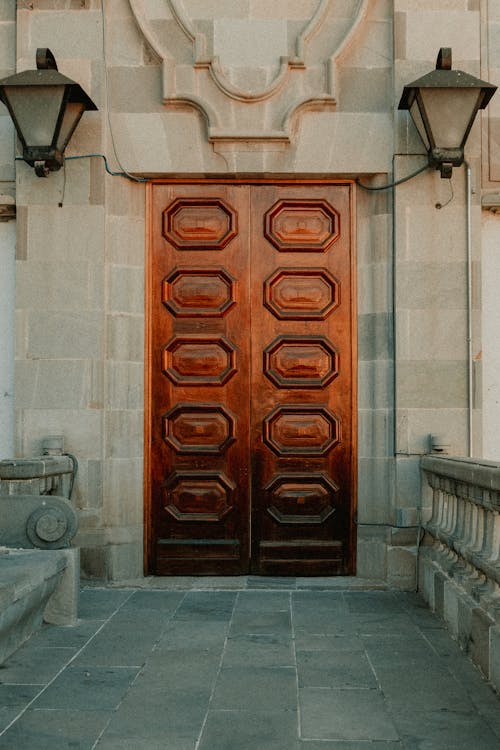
[{"x": 262, "y": 664}]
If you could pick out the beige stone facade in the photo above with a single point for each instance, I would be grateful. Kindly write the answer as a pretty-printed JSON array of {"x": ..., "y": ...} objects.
[{"x": 195, "y": 88}]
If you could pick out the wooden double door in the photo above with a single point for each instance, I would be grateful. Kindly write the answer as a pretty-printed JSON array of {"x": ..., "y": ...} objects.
[{"x": 250, "y": 450}]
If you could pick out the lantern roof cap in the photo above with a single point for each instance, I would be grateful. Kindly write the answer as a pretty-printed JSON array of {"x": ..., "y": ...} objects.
[{"x": 444, "y": 77}]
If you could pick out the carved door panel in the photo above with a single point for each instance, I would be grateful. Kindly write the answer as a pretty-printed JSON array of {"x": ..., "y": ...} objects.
[
  {"x": 302, "y": 381},
  {"x": 250, "y": 401}
]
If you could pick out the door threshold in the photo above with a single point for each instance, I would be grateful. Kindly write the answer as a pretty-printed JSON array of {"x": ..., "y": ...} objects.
[{"x": 248, "y": 583}]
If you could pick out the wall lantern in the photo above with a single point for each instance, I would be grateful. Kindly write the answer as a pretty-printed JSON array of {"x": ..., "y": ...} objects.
[
  {"x": 443, "y": 105},
  {"x": 46, "y": 107}
]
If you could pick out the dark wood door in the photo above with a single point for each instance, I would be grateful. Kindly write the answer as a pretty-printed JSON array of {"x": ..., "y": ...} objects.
[{"x": 251, "y": 403}]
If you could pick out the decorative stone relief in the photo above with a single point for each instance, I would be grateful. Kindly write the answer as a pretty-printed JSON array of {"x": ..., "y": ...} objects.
[{"x": 249, "y": 66}]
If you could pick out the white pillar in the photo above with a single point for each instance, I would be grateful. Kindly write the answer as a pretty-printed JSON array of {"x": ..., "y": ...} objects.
[
  {"x": 7, "y": 329},
  {"x": 490, "y": 325}
]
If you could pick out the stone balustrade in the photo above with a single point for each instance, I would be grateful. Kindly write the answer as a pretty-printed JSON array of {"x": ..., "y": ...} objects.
[{"x": 459, "y": 562}]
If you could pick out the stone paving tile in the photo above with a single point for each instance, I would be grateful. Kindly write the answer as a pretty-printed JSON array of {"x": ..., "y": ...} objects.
[
  {"x": 443, "y": 730},
  {"x": 333, "y": 669},
  {"x": 248, "y": 730},
  {"x": 256, "y": 689},
  {"x": 264, "y": 623},
  {"x": 150, "y": 743},
  {"x": 17, "y": 695},
  {"x": 262, "y": 601},
  {"x": 306, "y": 642},
  {"x": 354, "y": 745},
  {"x": 182, "y": 668},
  {"x": 259, "y": 651},
  {"x": 423, "y": 687},
  {"x": 154, "y": 713},
  {"x": 117, "y": 643},
  {"x": 87, "y": 688},
  {"x": 7, "y": 715},
  {"x": 389, "y": 649},
  {"x": 162, "y": 601},
  {"x": 99, "y": 604},
  {"x": 335, "y": 714},
  {"x": 32, "y": 665},
  {"x": 181, "y": 633},
  {"x": 55, "y": 730},
  {"x": 70, "y": 637},
  {"x": 204, "y": 606},
  {"x": 268, "y": 582}
]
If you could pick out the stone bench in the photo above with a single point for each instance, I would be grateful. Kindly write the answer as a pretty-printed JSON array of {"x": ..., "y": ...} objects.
[{"x": 35, "y": 586}]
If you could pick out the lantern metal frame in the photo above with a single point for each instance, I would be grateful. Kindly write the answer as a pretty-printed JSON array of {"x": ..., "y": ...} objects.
[
  {"x": 48, "y": 157},
  {"x": 443, "y": 77}
]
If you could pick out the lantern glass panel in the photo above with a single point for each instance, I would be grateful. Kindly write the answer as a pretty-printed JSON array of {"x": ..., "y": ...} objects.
[
  {"x": 35, "y": 110},
  {"x": 72, "y": 115},
  {"x": 449, "y": 112},
  {"x": 417, "y": 119}
]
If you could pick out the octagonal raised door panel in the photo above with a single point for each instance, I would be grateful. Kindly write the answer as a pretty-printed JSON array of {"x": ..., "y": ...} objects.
[{"x": 250, "y": 400}]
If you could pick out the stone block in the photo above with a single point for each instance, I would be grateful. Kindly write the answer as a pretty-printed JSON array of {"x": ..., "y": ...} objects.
[
  {"x": 464, "y": 622},
  {"x": 494, "y": 668},
  {"x": 8, "y": 10},
  {"x": 426, "y": 578},
  {"x": 53, "y": 285},
  {"x": 81, "y": 430},
  {"x": 94, "y": 563},
  {"x": 408, "y": 482},
  {"x": 125, "y": 240},
  {"x": 437, "y": 334},
  {"x": 375, "y": 383},
  {"x": 431, "y": 285},
  {"x": 450, "y": 606},
  {"x": 66, "y": 235},
  {"x": 124, "y": 43},
  {"x": 125, "y": 385},
  {"x": 375, "y": 489},
  {"x": 125, "y": 561},
  {"x": 439, "y": 583},
  {"x": 127, "y": 200},
  {"x": 62, "y": 607},
  {"x": 78, "y": 34},
  {"x": 123, "y": 492},
  {"x": 401, "y": 563},
  {"x": 420, "y": 241},
  {"x": 374, "y": 290},
  {"x": 481, "y": 623},
  {"x": 126, "y": 289},
  {"x": 135, "y": 89},
  {"x": 258, "y": 8},
  {"x": 375, "y": 336},
  {"x": 354, "y": 142},
  {"x": 420, "y": 423},
  {"x": 371, "y": 559},
  {"x": 7, "y": 42},
  {"x": 375, "y": 433},
  {"x": 431, "y": 385},
  {"x": 64, "y": 335},
  {"x": 124, "y": 434},
  {"x": 374, "y": 230},
  {"x": 425, "y": 29},
  {"x": 365, "y": 90},
  {"x": 125, "y": 337}
]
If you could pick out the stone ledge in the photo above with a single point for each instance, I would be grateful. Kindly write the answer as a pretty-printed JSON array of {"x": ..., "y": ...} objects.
[{"x": 35, "y": 585}]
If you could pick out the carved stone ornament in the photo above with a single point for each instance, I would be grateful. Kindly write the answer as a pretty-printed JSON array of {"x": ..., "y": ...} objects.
[{"x": 249, "y": 73}]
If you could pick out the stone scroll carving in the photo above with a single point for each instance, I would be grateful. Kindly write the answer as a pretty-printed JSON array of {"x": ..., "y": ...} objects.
[{"x": 246, "y": 66}]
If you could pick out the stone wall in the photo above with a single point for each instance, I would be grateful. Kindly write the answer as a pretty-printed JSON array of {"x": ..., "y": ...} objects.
[{"x": 240, "y": 89}]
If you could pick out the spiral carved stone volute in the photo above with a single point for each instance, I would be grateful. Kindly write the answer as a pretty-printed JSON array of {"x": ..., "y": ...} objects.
[{"x": 53, "y": 524}]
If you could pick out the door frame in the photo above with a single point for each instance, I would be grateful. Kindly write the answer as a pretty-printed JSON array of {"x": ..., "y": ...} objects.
[{"x": 148, "y": 272}]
